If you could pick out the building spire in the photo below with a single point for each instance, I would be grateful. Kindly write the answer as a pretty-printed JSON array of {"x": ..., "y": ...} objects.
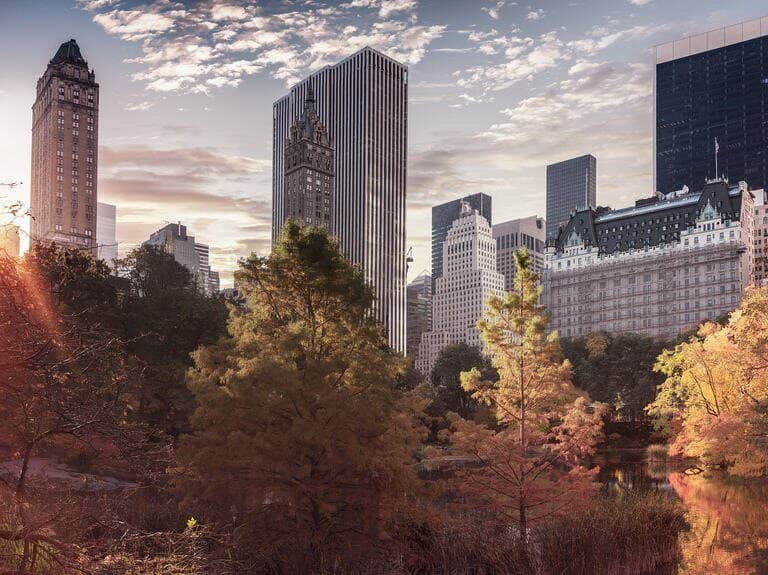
[{"x": 309, "y": 101}]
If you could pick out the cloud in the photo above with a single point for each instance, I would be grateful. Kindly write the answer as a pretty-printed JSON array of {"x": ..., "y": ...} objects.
[
  {"x": 524, "y": 57},
  {"x": 212, "y": 45},
  {"x": 599, "y": 38},
  {"x": 202, "y": 187},
  {"x": 640, "y": 2},
  {"x": 495, "y": 10},
  {"x": 535, "y": 14}
]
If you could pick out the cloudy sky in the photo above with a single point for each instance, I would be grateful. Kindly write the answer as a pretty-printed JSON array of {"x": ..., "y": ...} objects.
[{"x": 498, "y": 90}]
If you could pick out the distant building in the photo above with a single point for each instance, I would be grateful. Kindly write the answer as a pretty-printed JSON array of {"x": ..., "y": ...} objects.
[
  {"x": 363, "y": 103},
  {"x": 419, "y": 311},
  {"x": 571, "y": 185},
  {"x": 444, "y": 215},
  {"x": 657, "y": 268},
  {"x": 106, "y": 233},
  {"x": 469, "y": 279},
  {"x": 761, "y": 238},
  {"x": 514, "y": 235},
  {"x": 65, "y": 118},
  {"x": 10, "y": 243},
  {"x": 173, "y": 239},
  {"x": 214, "y": 283},
  {"x": 711, "y": 86},
  {"x": 309, "y": 164}
]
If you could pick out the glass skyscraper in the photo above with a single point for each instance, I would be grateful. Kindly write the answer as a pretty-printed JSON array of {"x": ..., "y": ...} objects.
[
  {"x": 571, "y": 185},
  {"x": 363, "y": 103},
  {"x": 713, "y": 86},
  {"x": 443, "y": 216}
]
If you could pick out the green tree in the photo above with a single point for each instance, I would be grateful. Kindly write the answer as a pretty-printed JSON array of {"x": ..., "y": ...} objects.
[
  {"x": 446, "y": 379},
  {"x": 616, "y": 369},
  {"x": 165, "y": 318},
  {"x": 299, "y": 432}
]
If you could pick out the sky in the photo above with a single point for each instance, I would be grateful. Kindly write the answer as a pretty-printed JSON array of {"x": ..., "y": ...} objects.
[{"x": 498, "y": 90}]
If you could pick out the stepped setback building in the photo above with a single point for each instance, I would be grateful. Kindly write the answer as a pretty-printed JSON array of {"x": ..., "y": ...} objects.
[
  {"x": 363, "y": 103},
  {"x": 443, "y": 217},
  {"x": 461, "y": 293},
  {"x": 65, "y": 127},
  {"x": 658, "y": 268}
]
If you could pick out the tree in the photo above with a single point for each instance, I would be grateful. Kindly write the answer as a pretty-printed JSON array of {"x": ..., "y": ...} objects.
[
  {"x": 163, "y": 318},
  {"x": 616, "y": 370},
  {"x": 60, "y": 387},
  {"x": 299, "y": 435},
  {"x": 714, "y": 401},
  {"x": 530, "y": 462},
  {"x": 446, "y": 379}
]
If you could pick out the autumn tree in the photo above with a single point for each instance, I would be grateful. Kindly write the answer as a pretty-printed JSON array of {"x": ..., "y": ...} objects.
[
  {"x": 61, "y": 389},
  {"x": 300, "y": 437},
  {"x": 714, "y": 401},
  {"x": 530, "y": 461}
]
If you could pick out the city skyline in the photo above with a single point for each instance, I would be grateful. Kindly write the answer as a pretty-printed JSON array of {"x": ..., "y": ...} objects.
[{"x": 200, "y": 144}]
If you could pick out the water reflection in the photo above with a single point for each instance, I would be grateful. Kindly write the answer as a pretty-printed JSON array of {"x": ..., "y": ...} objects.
[{"x": 728, "y": 519}]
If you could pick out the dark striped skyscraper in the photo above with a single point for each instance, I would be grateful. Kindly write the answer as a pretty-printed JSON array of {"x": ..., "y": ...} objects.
[
  {"x": 363, "y": 103},
  {"x": 571, "y": 185}
]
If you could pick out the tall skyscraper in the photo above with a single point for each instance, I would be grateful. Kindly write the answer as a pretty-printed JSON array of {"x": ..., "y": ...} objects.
[
  {"x": 65, "y": 119},
  {"x": 443, "y": 217},
  {"x": 515, "y": 235},
  {"x": 106, "y": 232},
  {"x": 419, "y": 314},
  {"x": 363, "y": 102},
  {"x": 10, "y": 243},
  {"x": 461, "y": 294},
  {"x": 713, "y": 86},
  {"x": 308, "y": 178},
  {"x": 571, "y": 185},
  {"x": 173, "y": 239}
]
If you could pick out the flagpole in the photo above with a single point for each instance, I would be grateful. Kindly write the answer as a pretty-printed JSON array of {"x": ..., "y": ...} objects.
[{"x": 717, "y": 149}]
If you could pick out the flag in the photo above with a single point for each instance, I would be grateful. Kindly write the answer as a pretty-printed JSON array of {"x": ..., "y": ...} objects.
[{"x": 717, "y": 146}]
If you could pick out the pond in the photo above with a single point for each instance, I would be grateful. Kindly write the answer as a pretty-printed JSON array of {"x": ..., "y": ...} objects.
[{"x": 727, "y": 518}]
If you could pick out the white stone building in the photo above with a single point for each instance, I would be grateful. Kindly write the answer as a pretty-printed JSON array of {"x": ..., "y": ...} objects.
[
  {"x": 461, "y": 293},
  {"x": 658, "y": 268}
]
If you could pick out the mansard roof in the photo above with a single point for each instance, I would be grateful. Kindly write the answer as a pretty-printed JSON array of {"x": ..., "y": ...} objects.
[
  {"x": 69, "y": 52},
  {"x": 651, "y": 221}
]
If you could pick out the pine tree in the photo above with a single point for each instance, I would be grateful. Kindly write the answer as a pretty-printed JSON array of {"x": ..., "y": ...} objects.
[{"x": 530, "y": 461}]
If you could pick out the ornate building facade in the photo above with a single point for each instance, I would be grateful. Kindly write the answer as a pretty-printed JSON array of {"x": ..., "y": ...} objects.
[
  {"x": 309, "y": 162},
  {"x": 469, "y": 278},
  {"x": 65, "y": 122},
  {"x": 657, "y": 268}
]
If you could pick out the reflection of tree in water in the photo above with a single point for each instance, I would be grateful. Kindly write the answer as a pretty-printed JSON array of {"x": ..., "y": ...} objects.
[{"x": 729, "y": 526}]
